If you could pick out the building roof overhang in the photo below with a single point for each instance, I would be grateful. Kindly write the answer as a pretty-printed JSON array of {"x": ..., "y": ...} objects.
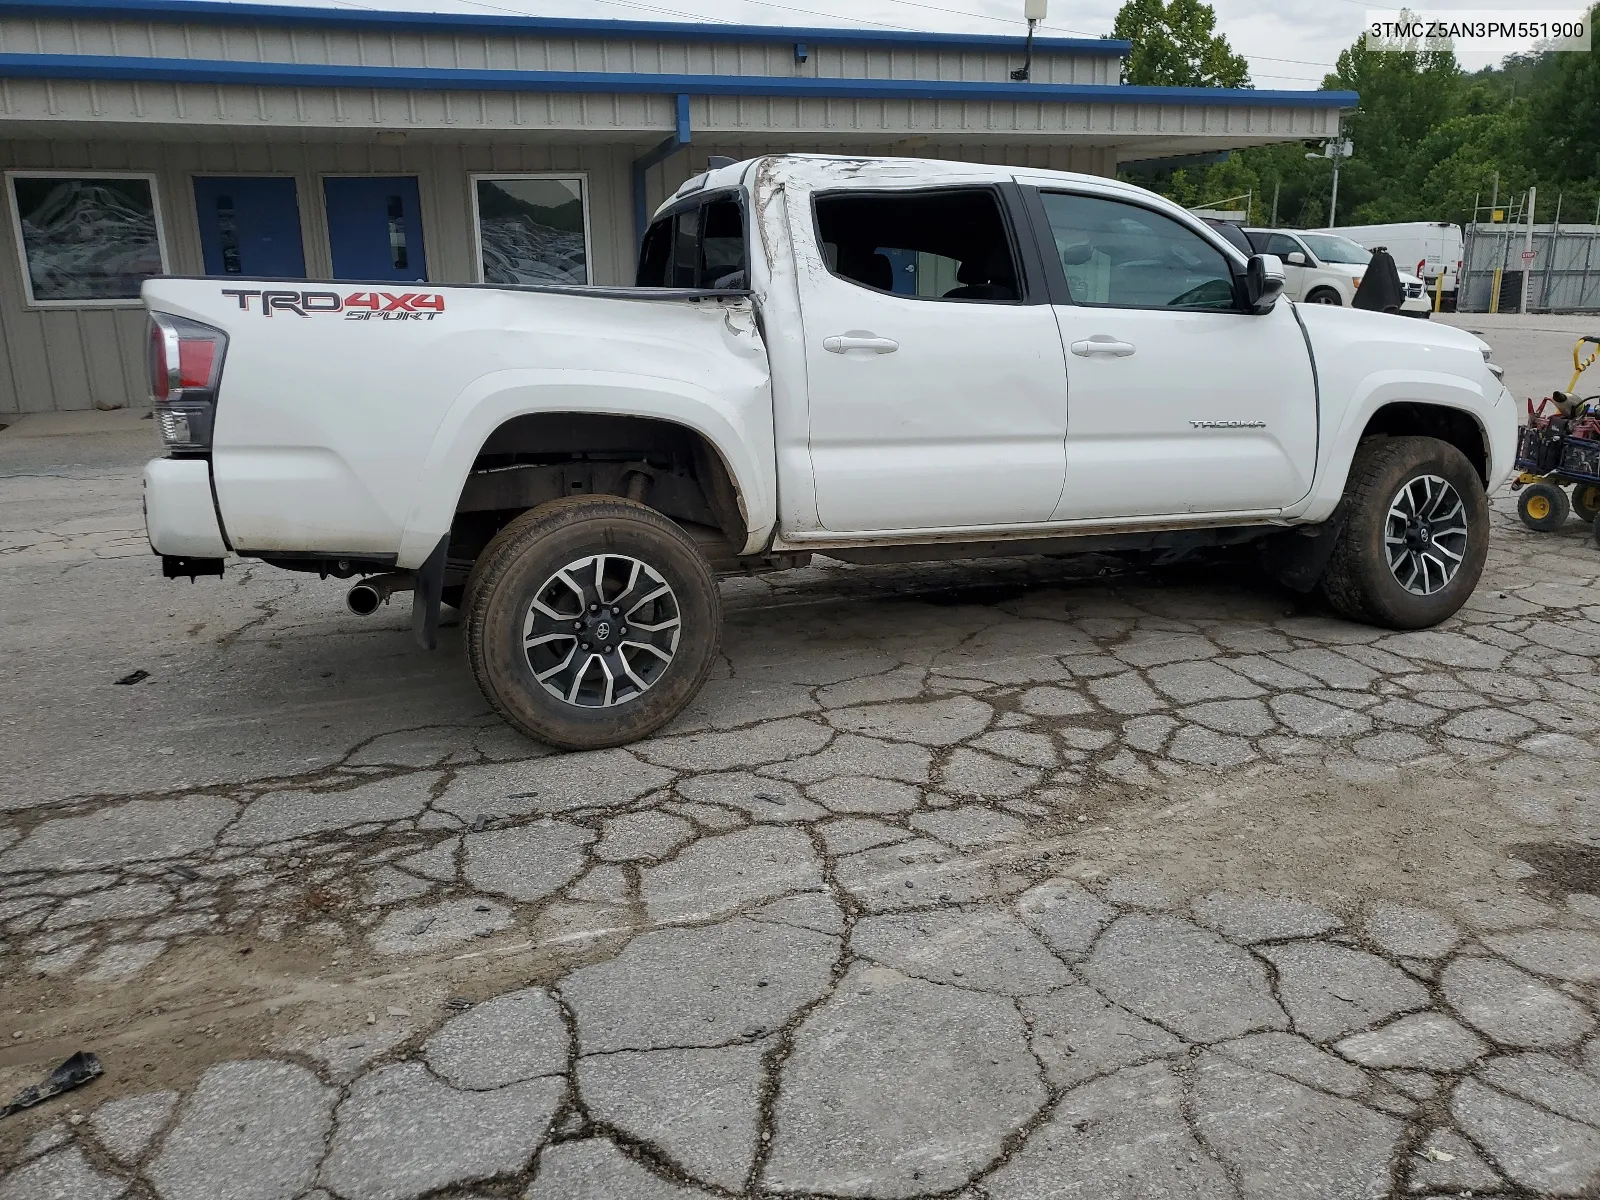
[{"x": 291, "y": 75}]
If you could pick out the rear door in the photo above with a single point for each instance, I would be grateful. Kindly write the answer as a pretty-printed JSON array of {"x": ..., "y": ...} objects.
[
  {"x": 375, "y": 227},
  {"x": 1179, "y": 401},
  {"x": 935, "y": 375}
]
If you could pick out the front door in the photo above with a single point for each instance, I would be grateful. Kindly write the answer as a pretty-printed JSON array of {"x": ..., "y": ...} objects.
[
  {"x": 936, "y": 383},
  {"x": 375, "y": 228},
  {"x": 249, "y": 225},
  {"x": 1296, "y": 275},
  {"x": 1179, "y": 401}
]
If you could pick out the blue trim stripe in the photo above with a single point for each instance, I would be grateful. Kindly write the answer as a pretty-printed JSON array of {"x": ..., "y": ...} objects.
[
  {"x": 224, "y": 11},
  {"x": 253, "y": 74}
]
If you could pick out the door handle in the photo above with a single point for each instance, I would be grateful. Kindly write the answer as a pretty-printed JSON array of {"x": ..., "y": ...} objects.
[
  {"x": 1102, "y": 343},
  {"x": 840, "y": 343}
]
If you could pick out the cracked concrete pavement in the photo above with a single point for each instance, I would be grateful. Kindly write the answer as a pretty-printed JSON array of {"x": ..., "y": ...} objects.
[{"x": 1035, "y": 878}]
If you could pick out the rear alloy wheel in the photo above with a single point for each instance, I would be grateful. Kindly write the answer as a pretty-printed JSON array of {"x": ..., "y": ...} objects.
[
  {"x": 591, "y": 621},
  {"x": 1415, "y": 534},
  {"x": 1325, "y": 295}
]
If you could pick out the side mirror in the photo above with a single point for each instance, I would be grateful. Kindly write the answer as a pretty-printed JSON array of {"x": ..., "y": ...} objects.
[
  {"x": 1296, "y": 259},
  {"x": 1263, "y": 280},
  {"x": 1076, "y": 256}
]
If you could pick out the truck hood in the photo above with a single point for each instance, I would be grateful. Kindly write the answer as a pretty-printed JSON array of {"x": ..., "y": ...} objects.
[{"x": 1382, "y": 341}]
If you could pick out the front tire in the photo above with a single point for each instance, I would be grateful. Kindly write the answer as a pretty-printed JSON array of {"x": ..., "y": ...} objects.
[
  {"x": 1415, "y": 535},
  {"x": 1325, "y": 295},
  {"x": 591, "y": 621}
]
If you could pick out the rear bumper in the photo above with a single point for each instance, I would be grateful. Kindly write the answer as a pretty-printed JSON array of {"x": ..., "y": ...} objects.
[{"x": 180, "y": 516}]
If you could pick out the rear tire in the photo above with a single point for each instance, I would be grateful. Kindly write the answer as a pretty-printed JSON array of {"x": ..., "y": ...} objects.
[
  {"x": 610, "y": 602},
  {"x": 1415, "y": 535}
]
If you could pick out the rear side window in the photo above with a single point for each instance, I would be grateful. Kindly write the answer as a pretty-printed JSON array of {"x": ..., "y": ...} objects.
[
  {"x": 654, "y": 255},
  {"x": 722, "y": 262},
  {"x": 701, "y": 247},
  {"x": 1127, "y": 256},
  {"x": 950, "y": 244}
]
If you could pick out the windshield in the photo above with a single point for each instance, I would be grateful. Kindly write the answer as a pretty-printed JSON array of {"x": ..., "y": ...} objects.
[{"x": 1330, "y": 247}]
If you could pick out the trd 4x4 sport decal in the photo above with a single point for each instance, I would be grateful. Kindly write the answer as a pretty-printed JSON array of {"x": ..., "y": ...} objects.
[{"x": 357, "y": 306}]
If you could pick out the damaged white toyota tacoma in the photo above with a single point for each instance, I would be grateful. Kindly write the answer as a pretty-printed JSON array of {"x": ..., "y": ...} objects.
[{"x": 880, "y": 360}]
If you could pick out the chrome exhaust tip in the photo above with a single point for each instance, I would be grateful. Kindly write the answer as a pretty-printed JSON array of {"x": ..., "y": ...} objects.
[{"x": 366, "y": 597}]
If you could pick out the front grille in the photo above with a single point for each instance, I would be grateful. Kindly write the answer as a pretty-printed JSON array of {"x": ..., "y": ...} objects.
[{"x": 1413, "y": 290}]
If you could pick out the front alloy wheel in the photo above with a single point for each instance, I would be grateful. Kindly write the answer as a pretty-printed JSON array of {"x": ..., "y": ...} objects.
[{"x": 1426, "y": 535}]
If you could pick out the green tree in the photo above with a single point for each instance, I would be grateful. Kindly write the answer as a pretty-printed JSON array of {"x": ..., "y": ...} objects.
[
  {"x": 1175, "y": 44},
  {"x": 1564, "y": 114},
  {"x": 1405, "y": 93},
  {"x": 1430, "y": 141}
]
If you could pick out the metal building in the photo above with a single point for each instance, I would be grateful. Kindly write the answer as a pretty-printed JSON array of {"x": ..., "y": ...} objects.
[{"x": 196, "y": 137}]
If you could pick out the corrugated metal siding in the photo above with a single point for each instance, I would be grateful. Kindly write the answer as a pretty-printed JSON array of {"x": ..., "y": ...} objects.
[
  {"x": 599, "y": 116},
  {"x": 59, "y": 359},
  {"x": 231, "y": 43},
  {"x": 224, "y": 107}
]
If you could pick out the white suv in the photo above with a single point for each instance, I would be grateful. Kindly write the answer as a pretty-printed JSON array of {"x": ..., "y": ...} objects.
[{"x": 1325, "y": 268}]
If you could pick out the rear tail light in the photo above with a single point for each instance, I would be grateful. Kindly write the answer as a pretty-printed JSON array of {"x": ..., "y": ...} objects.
[{"x": 185, "y": 368}]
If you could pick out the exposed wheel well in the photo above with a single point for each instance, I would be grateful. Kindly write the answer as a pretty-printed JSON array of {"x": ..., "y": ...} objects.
[
  {"x": 543, "y": 456},
  {"x": 1435, "y": 421}
]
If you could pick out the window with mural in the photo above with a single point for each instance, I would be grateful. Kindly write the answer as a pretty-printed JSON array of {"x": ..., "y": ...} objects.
[
  {"x": 532, "y": 229},
  {"x": 86, "y": 239}
]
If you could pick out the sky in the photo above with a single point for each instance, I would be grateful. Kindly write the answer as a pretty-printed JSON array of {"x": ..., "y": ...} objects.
[{"x": 1290, "y": 44}]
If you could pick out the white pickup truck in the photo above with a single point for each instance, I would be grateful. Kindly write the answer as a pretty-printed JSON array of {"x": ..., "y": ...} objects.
[{"x": 875, "y": 359}]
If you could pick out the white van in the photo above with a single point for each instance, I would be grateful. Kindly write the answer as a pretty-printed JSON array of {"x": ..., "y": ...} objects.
[
  {"x": 1327, "y": 268},
  {"x": 1426, "y": 249}
]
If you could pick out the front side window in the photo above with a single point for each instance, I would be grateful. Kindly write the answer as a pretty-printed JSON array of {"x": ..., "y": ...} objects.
[
  {"x": 1122, "y": 255},
  {"x": 86, "y": 239},
  {"x": 1331, "y": 248},
  {"x": 531, "y": 229},
  {"x": 950, "y": 244},
  {"x": 1280, "y": 244}
]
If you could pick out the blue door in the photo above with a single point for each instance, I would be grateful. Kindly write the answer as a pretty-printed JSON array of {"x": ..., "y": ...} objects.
[
  {"x": 375, "y": 228},
  {"x": 250, "y": 225}
]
